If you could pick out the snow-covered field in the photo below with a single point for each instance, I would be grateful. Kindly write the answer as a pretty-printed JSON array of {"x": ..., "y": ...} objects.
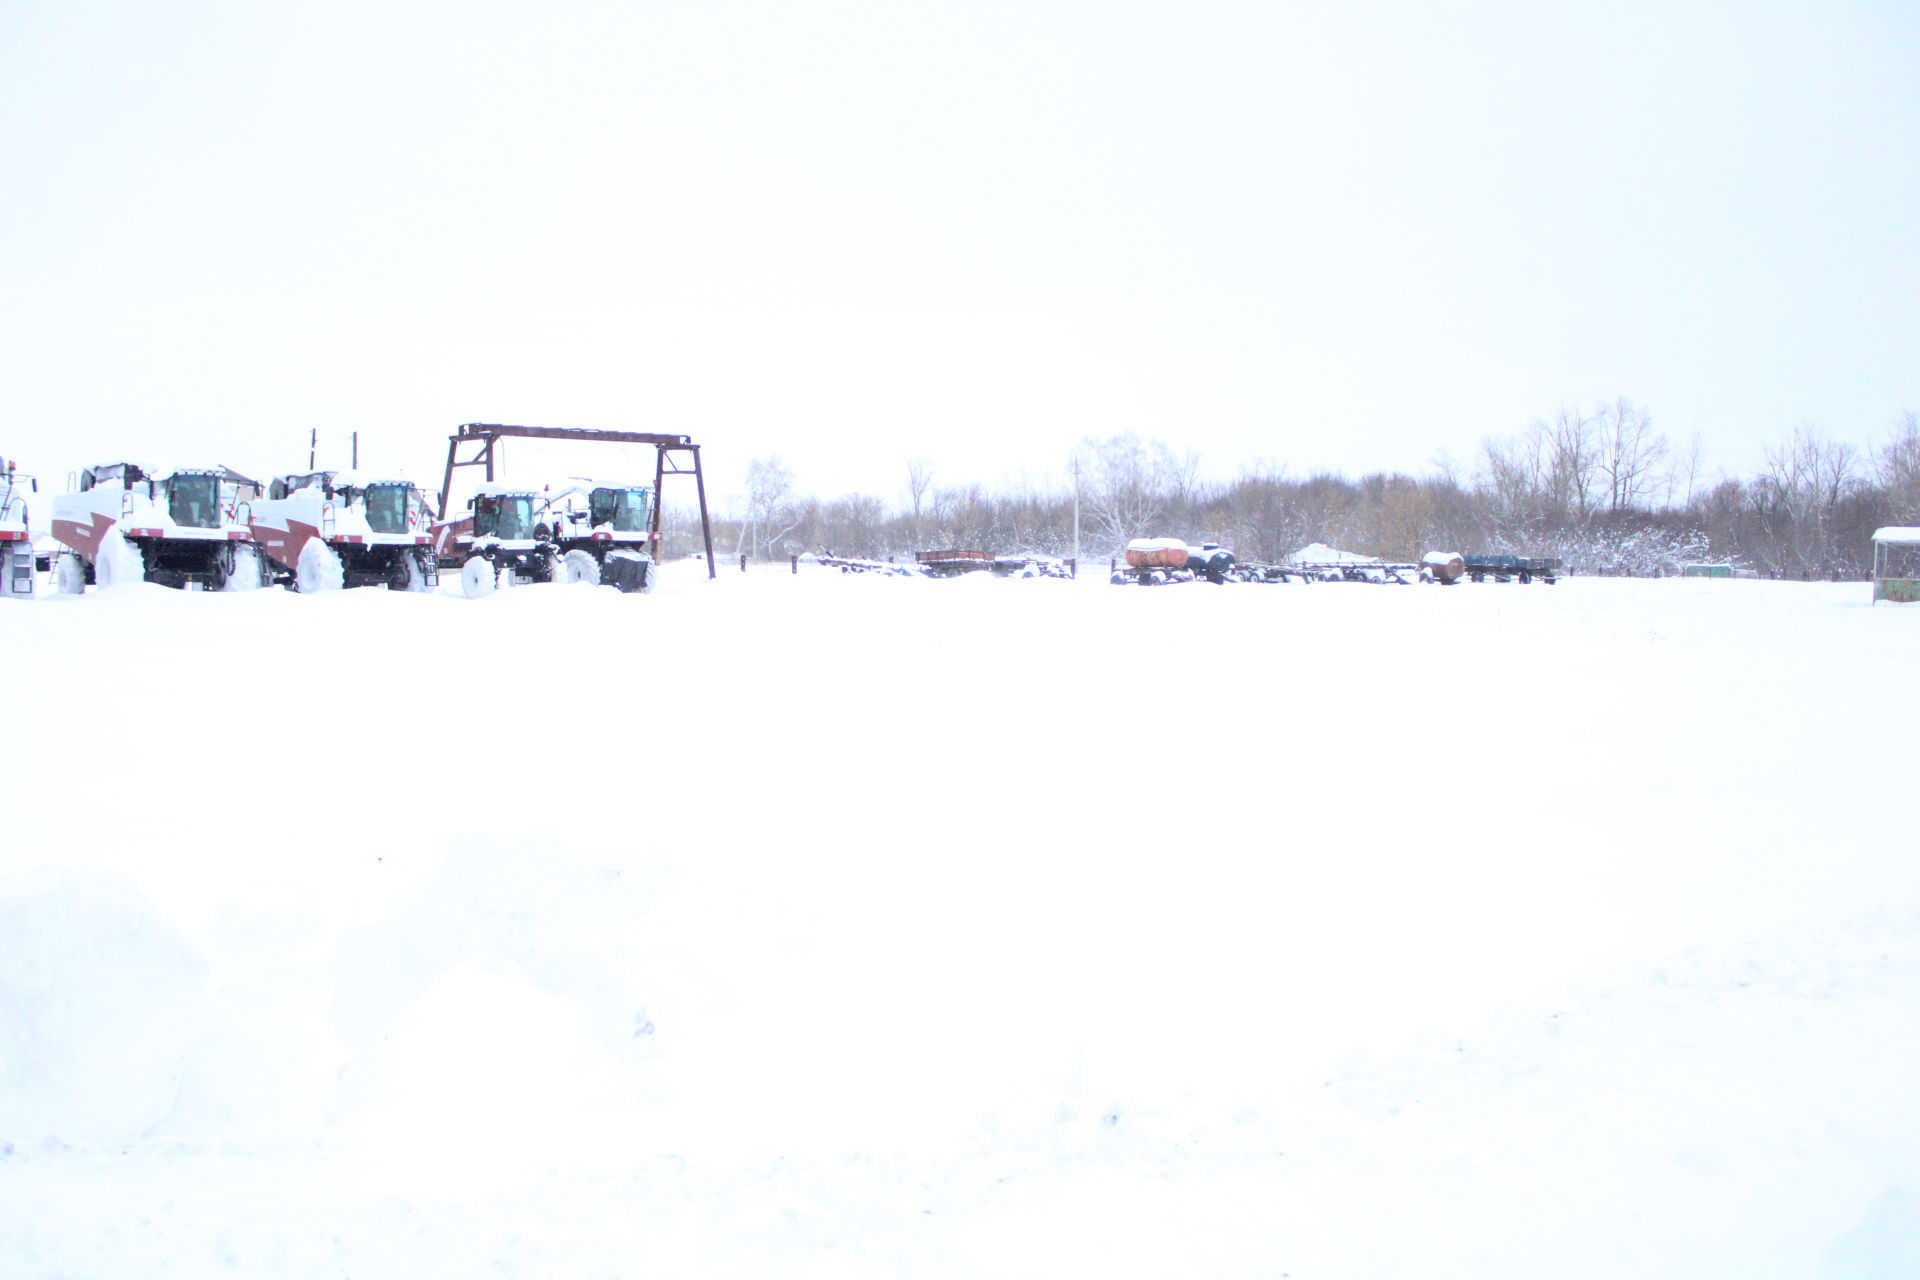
[{"x": 844, "y": 926}]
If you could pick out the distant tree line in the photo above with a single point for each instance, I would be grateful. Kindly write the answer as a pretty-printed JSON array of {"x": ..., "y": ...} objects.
[{"x": 1601, "y": 490}]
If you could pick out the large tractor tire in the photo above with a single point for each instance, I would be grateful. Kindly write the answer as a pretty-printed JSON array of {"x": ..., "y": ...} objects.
[
  {"x": 413, "y": 571},
  {"x": 119, "y": 561},
  {"x": 69, "y": 573},
  {"x": 478, "y": 578},
  {"x": 582, "y": 567},
  {"x": 319, "y": 569},
  {"x": 248, "y": 571}
]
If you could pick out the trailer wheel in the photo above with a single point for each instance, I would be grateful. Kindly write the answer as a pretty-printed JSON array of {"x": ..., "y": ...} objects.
[
  {"x": 582, "y": 567},
  {"x": 478, "y": 578},
  {"x": 69, "y": 573}
]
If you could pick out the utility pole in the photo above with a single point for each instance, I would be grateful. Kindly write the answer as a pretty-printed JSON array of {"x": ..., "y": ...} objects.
[
  {"x": 313, "y": 446},
  {"x": 1076, "y": 510}
]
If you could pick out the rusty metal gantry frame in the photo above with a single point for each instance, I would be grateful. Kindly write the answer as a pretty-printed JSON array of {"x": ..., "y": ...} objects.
[{"x": 487, "y": 434}]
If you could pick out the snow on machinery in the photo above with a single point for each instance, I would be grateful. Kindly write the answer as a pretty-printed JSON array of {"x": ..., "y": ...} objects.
[
  {"x": 606, "y": 532},
  {"x": 1318, "y": 562},
  {"x": 16, "y": 534},
  {"x": 1443, "y": 567},
  {"x": 501, "y": 540},
  {"x": 855, "y": 564},
  {"x": 1506, "y": 568},
  {"x": 953, "y": 563},
  {"x": 183, "y": 528},
  {"x": 326, "y": 530},
  {"x": 1154, "y": 561},
  {"x": 621, "y": 557},
  {"x": 1151, "y": 561}
]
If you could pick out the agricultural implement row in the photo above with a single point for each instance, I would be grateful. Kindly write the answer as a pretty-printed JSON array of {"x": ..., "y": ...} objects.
[
  {"x": 951, "y": 564},
  {"x": 1512, "y": 568},
  {"x": 851, "y": 564},
  {"x": 1152, "y": 561}
]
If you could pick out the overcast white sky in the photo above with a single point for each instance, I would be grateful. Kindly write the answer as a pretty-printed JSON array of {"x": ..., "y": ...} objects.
[{"x": 1352, "y": 236}]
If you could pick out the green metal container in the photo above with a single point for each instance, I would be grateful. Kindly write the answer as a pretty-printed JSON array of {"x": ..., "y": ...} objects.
[{"x": 1896, "y": 565}]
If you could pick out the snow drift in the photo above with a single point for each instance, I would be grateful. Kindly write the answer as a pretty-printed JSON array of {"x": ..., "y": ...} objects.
[{"x": 868, "y": 947}]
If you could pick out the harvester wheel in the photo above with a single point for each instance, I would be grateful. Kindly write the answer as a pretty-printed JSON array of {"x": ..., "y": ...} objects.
[
  {"x": 246, "y": 573},
  {"x": 478, "y": 578},
  {"x": 582, "y": 567},
  {"x": 319, "y": 569},
  {"x": 119, "y": 561},
  {"x": 69, "y": 573},
  {"x": 413, "y": 571}
]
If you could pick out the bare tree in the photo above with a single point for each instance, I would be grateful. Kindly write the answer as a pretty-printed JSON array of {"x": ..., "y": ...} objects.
[
  {"x": 1511, "y": 482},
  {"x": 919, "y": 480},
  {"x": 1683, "y": 476},
  {"x": 1126, "y": 485},
  {"x": 1800, "y": 493},
  {"x": 1897, "y": 466},
  {"x": 1398, "y": 519},
  {"x": 1630, "y": 454},
  {"x": 1573, "y": 450},
  {"x": 771, "y": 513}
]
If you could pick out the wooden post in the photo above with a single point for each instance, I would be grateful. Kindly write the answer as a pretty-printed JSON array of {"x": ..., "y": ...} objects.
[
  {"x": 743, "y": 562},
  {"x": 796, "y": 564}
]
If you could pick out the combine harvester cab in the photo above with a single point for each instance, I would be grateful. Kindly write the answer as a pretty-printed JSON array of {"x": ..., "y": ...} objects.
[
  {"x": 606, "y": 533},
  {"x": 185, "y": 528},
  {"x": 16, "y": 534},
  {"x": 502, "y": 540},
  {"x": 326, "y": 530}
]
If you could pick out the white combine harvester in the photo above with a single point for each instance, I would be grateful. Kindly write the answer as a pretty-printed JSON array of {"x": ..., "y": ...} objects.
[
  {"x": 335, "y": 529},
  {"x": 505, "y": 539},
  {"x": 16, "y": 537},
  {"x": 183, "y": 528},
  {"x": 605, "y": 533}
]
